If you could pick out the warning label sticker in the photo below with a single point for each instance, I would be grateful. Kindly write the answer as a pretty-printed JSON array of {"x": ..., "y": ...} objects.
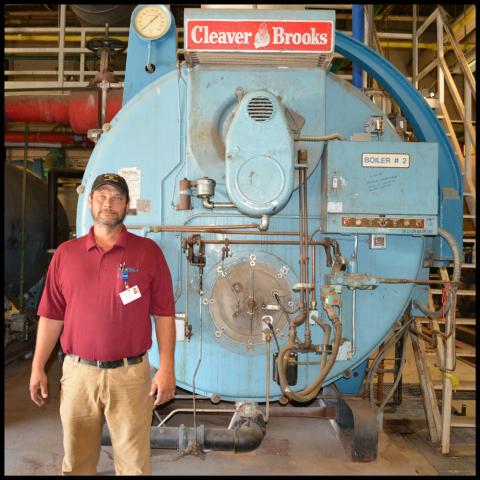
[{"x": 132, "y": 176}]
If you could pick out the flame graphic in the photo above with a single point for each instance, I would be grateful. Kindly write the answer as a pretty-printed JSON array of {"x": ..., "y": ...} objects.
[{"x": 262, "y": 38}]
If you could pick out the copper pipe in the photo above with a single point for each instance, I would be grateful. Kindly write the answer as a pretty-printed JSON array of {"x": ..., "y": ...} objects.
[
  {"x": 406, "y": 280},
  {"x": 299, "y": 319},
  {"x": 303, "y": 159},
  {"x": 258, "y": 242},
  {"x": 302, "y": 232},
  {"x": 209, "y": 229},
  {"x": 202, "y": 228}
]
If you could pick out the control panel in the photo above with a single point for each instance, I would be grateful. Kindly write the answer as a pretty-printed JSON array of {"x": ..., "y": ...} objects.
[{"x": 380, "y": 187}]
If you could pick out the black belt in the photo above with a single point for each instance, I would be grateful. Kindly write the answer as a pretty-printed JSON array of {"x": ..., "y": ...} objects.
[{"x": 111, "y": 364}]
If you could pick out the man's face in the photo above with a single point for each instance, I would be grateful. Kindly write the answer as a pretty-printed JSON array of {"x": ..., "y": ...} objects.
[{"x": 108, "y": 206}]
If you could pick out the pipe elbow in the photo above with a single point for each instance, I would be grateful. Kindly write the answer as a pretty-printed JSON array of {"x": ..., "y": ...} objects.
[
  {"x": 263, "y": 225},
  {"x": 211, "y": 205},
  {"x": 300, "y": 319},
  {"x": 250, "y": 434},
  {"x": 207, "y": 204}
]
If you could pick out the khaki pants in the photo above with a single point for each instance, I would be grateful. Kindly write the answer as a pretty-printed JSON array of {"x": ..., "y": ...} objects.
[{"x": 91, "y": 395}]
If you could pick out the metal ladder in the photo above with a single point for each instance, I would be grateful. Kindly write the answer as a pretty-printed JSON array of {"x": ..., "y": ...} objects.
[
  {"x": 448, "y": 350},
  {"x": 463, "y": 107}
]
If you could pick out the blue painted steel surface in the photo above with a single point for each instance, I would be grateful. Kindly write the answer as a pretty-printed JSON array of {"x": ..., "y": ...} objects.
[
  {"x": 179, "y": 127},
  {"x": 211, "y": 101},
  {"x": 426, "y": 128},
  {"x": 351, "y": 386},
  {"x": 161, "y": 53},
  {"x": 249, "y": 162},
  {"x": 401, "y": 192}
]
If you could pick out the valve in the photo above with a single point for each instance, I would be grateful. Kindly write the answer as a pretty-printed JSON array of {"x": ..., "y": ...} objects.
[
  {"x": 331, "y": 294},
  {"x": 362, "y": 281},
  {"x": 195, "y": 259},
  {"x": 112, "y": 45},
  {"x": 104, "y": 47},
  {"x": 374, "y": 125}
]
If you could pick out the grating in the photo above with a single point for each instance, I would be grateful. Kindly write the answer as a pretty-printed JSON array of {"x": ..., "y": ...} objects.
[
  {"x": 277, "y": 59},
  {"x": 260, "y": 109}
]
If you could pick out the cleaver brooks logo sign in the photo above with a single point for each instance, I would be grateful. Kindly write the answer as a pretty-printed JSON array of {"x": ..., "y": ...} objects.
[{"x": 259, "y": 35}]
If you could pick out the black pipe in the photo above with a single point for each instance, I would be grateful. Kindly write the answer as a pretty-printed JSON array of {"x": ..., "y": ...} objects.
[
  {"x": 247, "y": 435},
  {"x": 53, "y": 175}
]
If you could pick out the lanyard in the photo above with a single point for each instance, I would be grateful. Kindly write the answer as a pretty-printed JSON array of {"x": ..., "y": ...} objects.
[
  {"x": 124, "y": 271},
  {"x": 124, "y": 275}
]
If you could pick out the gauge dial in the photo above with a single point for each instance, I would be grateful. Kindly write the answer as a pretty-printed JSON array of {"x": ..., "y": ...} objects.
[{"x": 152, "y": 22}]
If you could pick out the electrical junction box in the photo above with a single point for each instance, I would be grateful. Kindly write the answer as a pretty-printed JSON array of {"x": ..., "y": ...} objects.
[{"x": 380, "y": 188}]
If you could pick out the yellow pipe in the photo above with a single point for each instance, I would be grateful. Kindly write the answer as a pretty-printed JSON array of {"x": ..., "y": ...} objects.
[
  {"x": 429, "y": 46},
  {"x": 470, "y": 16}
]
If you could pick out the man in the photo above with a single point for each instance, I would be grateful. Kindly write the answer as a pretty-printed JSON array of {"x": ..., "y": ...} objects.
[{"x": 100, "y": 290}]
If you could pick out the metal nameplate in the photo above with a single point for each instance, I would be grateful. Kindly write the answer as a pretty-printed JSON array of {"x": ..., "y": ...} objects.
[
  {"x": 252, "y": 35},
  {"x": 386, "y": 160},
  {"x": 382, "y": 222}
]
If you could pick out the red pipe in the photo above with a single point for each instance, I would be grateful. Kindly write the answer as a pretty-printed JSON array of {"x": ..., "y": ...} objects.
[
  {"x": 79, "y": 109},
  {"x": 45, "y": 138}
]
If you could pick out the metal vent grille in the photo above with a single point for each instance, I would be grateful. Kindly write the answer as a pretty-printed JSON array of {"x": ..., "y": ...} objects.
[
  {"x": 309, "y": 60},
  {"x": 260, "y": 109}
]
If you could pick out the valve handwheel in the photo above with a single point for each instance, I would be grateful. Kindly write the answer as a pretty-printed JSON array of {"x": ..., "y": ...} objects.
[{"x": 112, "y": 44}]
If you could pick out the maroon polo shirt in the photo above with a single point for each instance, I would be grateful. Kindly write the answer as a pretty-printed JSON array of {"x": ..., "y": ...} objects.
[{"x": 82, "y": 289}]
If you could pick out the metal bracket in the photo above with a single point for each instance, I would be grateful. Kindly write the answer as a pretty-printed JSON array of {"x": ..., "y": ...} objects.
[{"x": 358, "y": 426}]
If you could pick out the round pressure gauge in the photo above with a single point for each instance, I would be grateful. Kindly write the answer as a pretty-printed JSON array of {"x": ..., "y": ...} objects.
[{"x": 152, "y": 22}]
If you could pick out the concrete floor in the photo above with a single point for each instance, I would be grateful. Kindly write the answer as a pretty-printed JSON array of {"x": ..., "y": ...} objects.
[{"x": 292, "y": 446}]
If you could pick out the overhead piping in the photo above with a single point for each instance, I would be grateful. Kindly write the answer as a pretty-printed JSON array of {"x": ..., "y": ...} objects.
[
  {"x": 358, "y": 33},
  {"x": 80, "y": 109}
]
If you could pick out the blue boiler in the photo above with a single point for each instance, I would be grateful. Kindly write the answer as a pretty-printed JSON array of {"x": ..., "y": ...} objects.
[{"x": 284, "y": 199}]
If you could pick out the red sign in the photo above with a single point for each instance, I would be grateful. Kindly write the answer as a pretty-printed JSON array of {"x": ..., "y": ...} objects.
[{"x": 259, "y": 35}]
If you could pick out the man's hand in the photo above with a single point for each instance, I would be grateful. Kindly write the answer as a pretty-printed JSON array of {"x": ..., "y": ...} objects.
[
  {"x": 164, "y": 384},
  {"x": 48, "y": 332},
  {"x": 38, "y": 381}
]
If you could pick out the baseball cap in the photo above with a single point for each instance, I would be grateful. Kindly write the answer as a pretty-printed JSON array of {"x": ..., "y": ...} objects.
[{"x": 111, "y": 179}]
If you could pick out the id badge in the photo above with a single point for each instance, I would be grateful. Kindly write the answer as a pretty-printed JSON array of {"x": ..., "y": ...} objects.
[{"x": 130, "y": 294}]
